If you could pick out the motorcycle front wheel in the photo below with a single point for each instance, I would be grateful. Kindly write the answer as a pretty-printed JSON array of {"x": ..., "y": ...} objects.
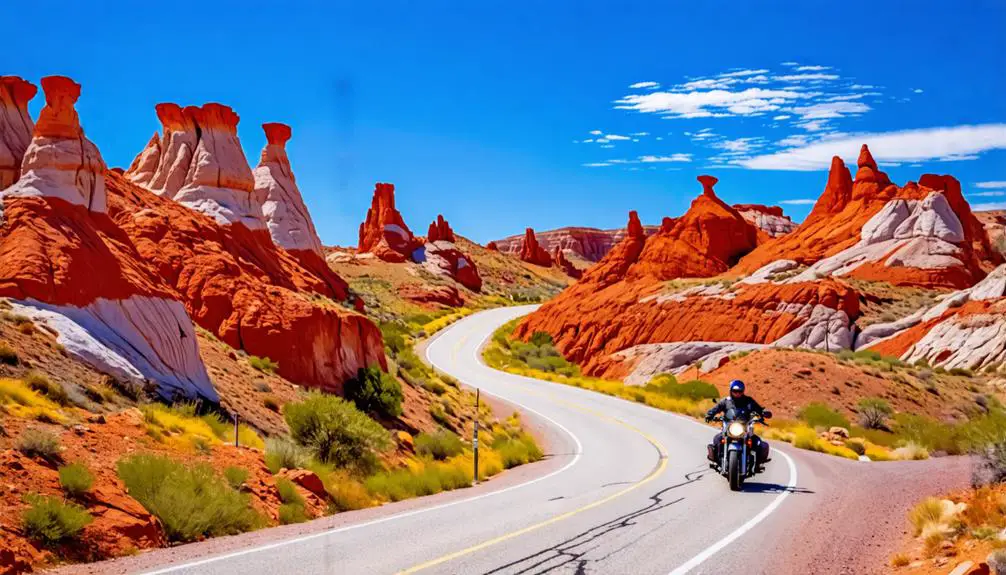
[{"x": 734, "y": 471}]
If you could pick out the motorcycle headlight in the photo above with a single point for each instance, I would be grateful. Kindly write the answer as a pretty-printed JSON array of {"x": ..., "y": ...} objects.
[{"x": 736, "y": 430}]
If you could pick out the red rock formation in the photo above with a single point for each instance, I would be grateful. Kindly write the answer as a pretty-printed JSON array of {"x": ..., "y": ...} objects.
[
  {"x": 533, "y": 253},
  {"x": 254, "y": 296},
  {"x": 384, "y": 232},
  {"x": 16, "y": 126},
  {"x": 70, "y": 267},
  {"x": 440, "y": 230},
  {"x": 833, "y": 231},
  {"x": 493, "y": 247},
  {"x": 200, "y": 164},
  {"x": 590, "y": 244},
  {"x": 431, "y": 295},
  {"x": 559, "y": 257},
  {"x": 768, "y": 219}
]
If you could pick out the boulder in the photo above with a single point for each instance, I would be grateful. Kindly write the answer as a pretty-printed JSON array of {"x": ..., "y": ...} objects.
[
  {"x": 309, "y": 480},
  {"x": 16, "y": 126},
  {"x": 425, "y": 295},
  {"x": 533, "y": 253},
  {"x": 493, "y": 247}
]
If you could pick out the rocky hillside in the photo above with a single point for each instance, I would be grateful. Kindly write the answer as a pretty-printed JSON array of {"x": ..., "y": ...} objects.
[{"x": 644, "y": 309}]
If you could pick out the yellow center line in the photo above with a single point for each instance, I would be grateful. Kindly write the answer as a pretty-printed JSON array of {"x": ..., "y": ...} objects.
[{"x": 659, "y": 469}]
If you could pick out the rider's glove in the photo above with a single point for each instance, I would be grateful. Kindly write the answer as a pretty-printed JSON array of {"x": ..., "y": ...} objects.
[{"x": 708, "y": 419}]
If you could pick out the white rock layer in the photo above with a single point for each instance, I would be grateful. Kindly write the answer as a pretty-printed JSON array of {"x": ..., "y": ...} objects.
[{"x": 283, "y": 207}]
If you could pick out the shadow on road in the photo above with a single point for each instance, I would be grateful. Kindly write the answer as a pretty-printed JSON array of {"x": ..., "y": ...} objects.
[
  {"x": 755, "y": 487},
  {"x": 570, "y": 553}
]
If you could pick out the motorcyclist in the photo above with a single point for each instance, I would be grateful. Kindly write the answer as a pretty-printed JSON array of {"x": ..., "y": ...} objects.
[{"x": 737, "y": 405}]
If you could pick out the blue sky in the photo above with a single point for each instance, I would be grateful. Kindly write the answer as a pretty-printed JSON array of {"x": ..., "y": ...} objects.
[{"x": 482, "y": 111}]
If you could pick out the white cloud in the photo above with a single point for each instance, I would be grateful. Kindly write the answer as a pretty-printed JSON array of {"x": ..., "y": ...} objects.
[
  {"x": 861, "y": 87},
  {"x": 608, "y": 146},
  {"x": 799, "y": 202},
  {"x": 602, "y": 140},
  {"x": 812, "y": 68},
  {"x": 616, "y": 137},
  {"x": 917, "y": 91},
  {"x": 995, "y": 185},
  {"x": 782, "y": 117},
  {"x": 640, "y": 134},
  {"x": 596, "y": 132},
  {"x": 806, "y": 77},
  {"x": 697, "y": 104},
  {"x": 740, "y": 145},
  {"x": 790, "y": 141},
  {"x": 588, "y": 141},
  {"x": 662, "y": 159},
  {"x": 789, "y": 64},
  {"x": 814, "y": 125},
  {"x": 955, "y": 142},
  {"x": 989, "y": 207},
  {"x": 986, "y": 194},
  {"x": 659, "y": 138},
  {"x": 742, "y": 73},
  {"x": 641, "y": 85},
  {"x": 596, "y": 164},
  {"x": 706, "y": 84},
  {"x": 827, "y": 110}
]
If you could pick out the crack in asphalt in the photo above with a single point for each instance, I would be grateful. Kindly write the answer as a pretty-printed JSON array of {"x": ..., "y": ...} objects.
[{"x": 573, "y": 551}]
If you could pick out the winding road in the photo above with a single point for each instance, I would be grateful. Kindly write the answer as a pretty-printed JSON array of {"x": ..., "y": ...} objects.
[{"x": 625, "y": 489}]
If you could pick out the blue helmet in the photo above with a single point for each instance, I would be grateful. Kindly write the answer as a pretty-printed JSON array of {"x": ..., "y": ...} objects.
[{"x": 736, "y": 385}]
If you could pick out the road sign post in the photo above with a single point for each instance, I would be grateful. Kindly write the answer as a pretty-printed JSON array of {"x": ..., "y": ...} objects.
[
  {"x": 236, "y": 417},
  {"x": 475, "y": 438}
]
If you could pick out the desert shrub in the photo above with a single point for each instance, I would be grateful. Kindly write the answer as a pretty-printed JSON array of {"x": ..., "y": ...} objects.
[
  {"x": 271, "y": 403},
  {"x": 990, "y": 465},
  {"x": 856, "y": 445},
  {"x": 930, "y": 511},
  {"x": 873, "y": 412},
  {"x": 394, "y": 337},
  {"x": 439, "y": 415},
  {"x": 191, "y": 501},
  {"x": 51, "y": 520},
  {"x": 449, "y": 380},
  {"x": 8, "y": 356},
  {"x": 423, "y": 479},
  {"x": 517, "y": 450},
  {"x": 36, "y": 442},
  {"x": 695, "y": 390},
  {"x": 911, "y": 451},
  {"x": 375, "y": 392},
  {"x": 288, "y": 491},
  {"x": 235, "y": 476},
  {"x": 963, "y": 372},
  {"x": 99, "y": 393},
  {"x": 336, "y": 431},
  {"x": 281, "y": 453},
  {"x": 46, "y": 387},
  {"x": 928, "y": 432},
  {"x": 540, "y": 338},
  {"x": 900, "y": 560},
  {"x": 820, "y": 415},
  {"x": 345, "y": 492},
  {"x": 263, "y": 364},
  {"x": 290, "y": 513},
  {"x": 76, "y": 479},
  {"x": 439, "y": 445},
  {"x": 434, "y": 386}
]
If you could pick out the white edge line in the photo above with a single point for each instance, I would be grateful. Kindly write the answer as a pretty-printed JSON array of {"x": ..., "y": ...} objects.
[
  {"x": 575, "y": 460},
  {"x": 719, "y": 545}
]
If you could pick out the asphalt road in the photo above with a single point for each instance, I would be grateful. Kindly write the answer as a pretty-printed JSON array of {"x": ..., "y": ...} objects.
[{"x": 626, "y": 489}]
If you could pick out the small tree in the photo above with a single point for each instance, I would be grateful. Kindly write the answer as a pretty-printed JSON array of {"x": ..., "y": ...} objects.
[
  {"x": 873, "y": 412},
  {"x": 375, "y": 392}
]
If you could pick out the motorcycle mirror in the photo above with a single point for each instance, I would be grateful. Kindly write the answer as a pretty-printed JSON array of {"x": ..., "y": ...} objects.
[{"x": 767, "y": 414}]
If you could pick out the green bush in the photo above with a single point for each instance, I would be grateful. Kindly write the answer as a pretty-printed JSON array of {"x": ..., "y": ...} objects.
[
  {"x": 51, "y": 520},
  {"x": 336, "y": 431},
  {"x": 402, "y": 484},
  {"x": 288, "y": 491},
  {"x": 191, "y": 501},
  {"x": 290, "y": 513},
  {"x": 961, "y": 372},
  {"x": 8, "y": 356},
  {"x": 541, "y": 338},
  {"x": 873, "y": 412},
  {"x": 517, "y": 450},
  {"x": 434, "y": 386},
  {"x": 439, "y": 415},
  {"x": 375, "y": 392},
  {"x": 43, "y": 385},
  {"x": 76, "y": 479},
  {"x": 440, "y": 444},
  {"x": 695, "y": 390},
  {"x": 235, "y": 476},
  {"x": 263, "y": 364},
  {"x": 39, "y": 443},
  {"x": 282, "y": 453},
  {"x": 820, "y": 415}
]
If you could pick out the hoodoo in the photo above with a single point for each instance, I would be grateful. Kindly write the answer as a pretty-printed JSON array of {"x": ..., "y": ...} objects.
[
  {"x": 199, "y": 163},
  {"x": 384, "y": 232},
  {"x": 533, "y": 253},
  {"x": 65, "y": 264},
  {"x": 16, "y": 126}
]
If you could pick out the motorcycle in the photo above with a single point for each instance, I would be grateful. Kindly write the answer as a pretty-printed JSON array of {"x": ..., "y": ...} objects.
[{"x": 736, "y": 460}]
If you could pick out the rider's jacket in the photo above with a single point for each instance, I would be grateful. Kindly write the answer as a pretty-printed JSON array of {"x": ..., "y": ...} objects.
[{"x": 740, "y": 408}]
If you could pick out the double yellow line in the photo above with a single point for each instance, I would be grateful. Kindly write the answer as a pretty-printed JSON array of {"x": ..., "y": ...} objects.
[{"x": 656, "y": 472}]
